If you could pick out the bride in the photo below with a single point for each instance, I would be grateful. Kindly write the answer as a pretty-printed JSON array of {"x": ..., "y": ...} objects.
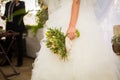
[{"x": 89, "y": 58}]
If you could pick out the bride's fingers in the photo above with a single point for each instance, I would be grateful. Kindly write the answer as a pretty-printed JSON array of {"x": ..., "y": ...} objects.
[{"x": 71, "y": 36}]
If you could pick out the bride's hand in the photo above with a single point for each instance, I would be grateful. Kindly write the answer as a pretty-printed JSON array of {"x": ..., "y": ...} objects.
[{"x": 71, "y": 33}]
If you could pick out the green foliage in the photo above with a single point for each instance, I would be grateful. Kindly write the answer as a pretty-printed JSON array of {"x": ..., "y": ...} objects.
[
  {"x": 40, "y": 2},
  {"x": 42, "y": 16},
  {"x": 77, "y": 33},
  {"x": 19, "y": 12},
  {"x": 34, "y": 28},
  {"x": 116, "y": 39}
]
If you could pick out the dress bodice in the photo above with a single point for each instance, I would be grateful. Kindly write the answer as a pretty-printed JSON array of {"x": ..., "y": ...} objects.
[
  {"x": 56, "y": 4},
  {"x": 99, "y": 7},
  {"x": 53, "y": 5}
]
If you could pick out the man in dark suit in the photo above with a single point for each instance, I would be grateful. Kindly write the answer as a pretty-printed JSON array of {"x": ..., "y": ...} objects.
[{"x": 14, "y": 13}]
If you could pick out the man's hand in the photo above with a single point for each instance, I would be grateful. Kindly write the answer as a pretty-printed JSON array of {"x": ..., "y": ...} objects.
[{"x": 3, "y": 17}]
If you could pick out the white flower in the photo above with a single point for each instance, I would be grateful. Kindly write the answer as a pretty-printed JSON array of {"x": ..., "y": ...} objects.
[{"x": 68, "y": 44}]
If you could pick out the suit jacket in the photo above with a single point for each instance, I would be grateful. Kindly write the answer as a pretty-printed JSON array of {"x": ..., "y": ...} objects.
[{"x": 18, "y": 13}]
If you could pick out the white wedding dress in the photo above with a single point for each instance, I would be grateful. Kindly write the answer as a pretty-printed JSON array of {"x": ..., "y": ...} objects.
[{"x": 89, "y": 59}]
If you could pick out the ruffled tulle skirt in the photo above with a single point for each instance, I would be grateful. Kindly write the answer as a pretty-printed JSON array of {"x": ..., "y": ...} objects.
[{"x": 89, "y": 59}]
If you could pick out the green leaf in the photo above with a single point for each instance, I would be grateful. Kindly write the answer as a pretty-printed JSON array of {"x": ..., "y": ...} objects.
[{"x": 77, "y": 33}]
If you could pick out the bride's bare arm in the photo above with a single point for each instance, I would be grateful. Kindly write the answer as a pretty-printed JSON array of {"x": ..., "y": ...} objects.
[{"x": 73, "y": 20}]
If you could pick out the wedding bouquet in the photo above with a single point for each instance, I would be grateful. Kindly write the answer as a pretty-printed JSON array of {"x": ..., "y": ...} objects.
[{"x": 58, "y": 42}]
